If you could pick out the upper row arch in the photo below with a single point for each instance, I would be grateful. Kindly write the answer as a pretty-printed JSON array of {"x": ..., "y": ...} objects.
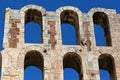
[
  {"x": 106, "y": 11},
  {"x": 61, "y": 9},
  {"x": 36, "y": 7}
]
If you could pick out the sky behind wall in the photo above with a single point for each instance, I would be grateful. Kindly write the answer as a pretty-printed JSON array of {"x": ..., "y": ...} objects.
[{"x": 52, "y": 5}]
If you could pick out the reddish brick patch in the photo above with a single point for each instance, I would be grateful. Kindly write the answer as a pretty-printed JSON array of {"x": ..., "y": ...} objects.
[
  {"x": 14, "y": 31},
  {"x": 87, "y": 34},
  {"x": 52, "y": 33},
  {"x": 86, "y": 23}
]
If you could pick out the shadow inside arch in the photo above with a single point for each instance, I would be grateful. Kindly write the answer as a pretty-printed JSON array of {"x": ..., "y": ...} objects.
[{"x": 34, "y": 65}]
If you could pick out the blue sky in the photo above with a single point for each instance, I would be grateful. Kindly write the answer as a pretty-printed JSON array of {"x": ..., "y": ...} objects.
[{"x": 52, "y": 5}]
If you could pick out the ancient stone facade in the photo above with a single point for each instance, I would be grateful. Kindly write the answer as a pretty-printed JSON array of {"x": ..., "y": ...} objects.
[{"x": 51, "y": 56}]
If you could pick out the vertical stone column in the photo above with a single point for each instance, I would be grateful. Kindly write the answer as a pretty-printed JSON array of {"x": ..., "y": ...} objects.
[
  {"x": 10, "y": 70},
  {"x": 11, "y": 33},
  {"x": 47, "y": 68},
  {"x": 21, "y": 26},
  {"x": 93, "y": 68},
  {"x": 114, "y": 21},
  {"x": 57, "y": 65},
  {"x": 6, "y": 28},
  {"x": 51, "y": 30},
  {"x": 53, "y": 62},
  {"x": 53, "y": 68},
  {"x": 117, "y": 66}
]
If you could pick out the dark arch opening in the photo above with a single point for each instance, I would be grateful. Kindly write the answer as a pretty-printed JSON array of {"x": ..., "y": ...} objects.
[
  {"x": 100, "y": 18},
  {"x": 33, "y": 16},
  {"x": 34, "y": 58},
  {"x": 71, "y": 17},
  {"x": 73, "y": 60},
  {"x": 106, "y": 62}
]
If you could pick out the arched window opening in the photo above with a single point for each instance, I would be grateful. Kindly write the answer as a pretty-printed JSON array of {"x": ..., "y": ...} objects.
[
  {"x": 100, "y": 18},
  {"x": 99, "y": 35},
  {"x": 70, "y": 74},
  {"x": 73, "y": 61},
  {"x": 33, "y": 33},
  {"x": 34, "y": 58},
  {"x": 68, "y": 34},
  {"x": 71, "y": 17},
  {"x": 106, "y": 62},
  {"x": 32, "y": 30}
]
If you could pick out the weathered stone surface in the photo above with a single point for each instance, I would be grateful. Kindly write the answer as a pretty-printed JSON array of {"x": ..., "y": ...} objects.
[
  {"x": 14, "y": 31},
  {"x": 51, "y": 56}
]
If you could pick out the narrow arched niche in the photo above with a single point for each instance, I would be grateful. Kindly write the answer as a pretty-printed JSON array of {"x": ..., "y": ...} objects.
[
  {"x": 100, "y": 18},
  {"x": 73, "y": 60},
  {"x": 35, "y": 16},
  {"x": 71, "y": 17},
  {"x": 106, "y": 62},
  {"x": 34, "y": 58}
]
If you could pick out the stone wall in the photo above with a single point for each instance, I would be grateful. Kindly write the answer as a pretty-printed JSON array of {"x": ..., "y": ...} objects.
[{"x": 54, "y": 54}]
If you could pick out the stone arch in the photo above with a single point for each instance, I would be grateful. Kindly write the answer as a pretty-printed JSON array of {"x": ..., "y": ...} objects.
[
  {"x": 36, "y": 13},
  {"x": 73, "y": 16},
  {"x": 101, "y": 19},
  {"x": 34, "y": 58},
  {"x": 78, "y": 52},
  {"x": 106, "y": 11},
  {"x": 31, "y": 57},
  {"x": 73, "y": 60},
  {"x": 107, "y": 62},
  {"x": 100, "y": 16},
  {"x": 71, "y": 49},
  {"x": 61, "y": 9},
  {"x": 31, "y": 6},
  {"x": 33, "y": 13},
  {"x": 23, "y": 52}
]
